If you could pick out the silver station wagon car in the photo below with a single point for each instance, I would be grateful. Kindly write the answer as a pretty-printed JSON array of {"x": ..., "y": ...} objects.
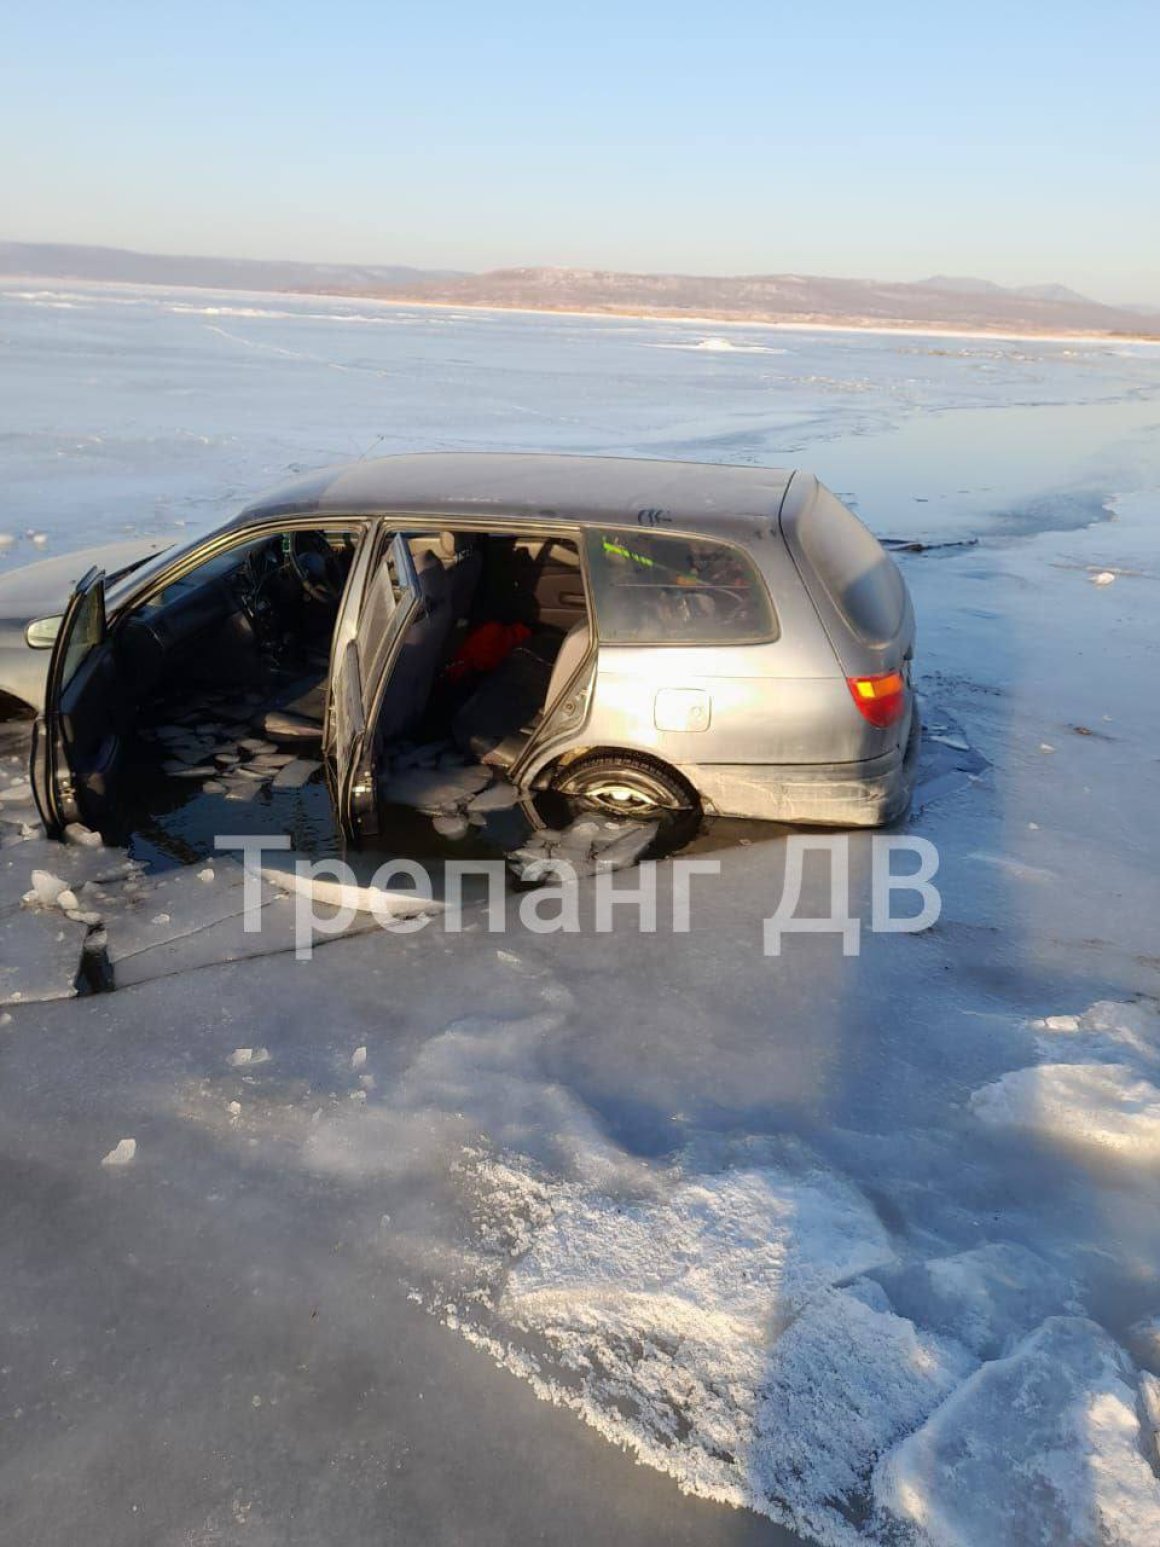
[{"x": 641, "y": 636}]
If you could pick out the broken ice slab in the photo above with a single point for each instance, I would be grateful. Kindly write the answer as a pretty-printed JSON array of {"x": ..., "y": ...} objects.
[
  {"x": 226, "y": 941},
  {"x": 180, "y": 904},
  {"x": 500, "y": 796},
  {"x": 295, "y": 773},
  {"x": 42, "y": 956},
  {"x": 450, "y": 824},
  {"x": 20, "y": 792},
  {"x": 988, "y": 1297},
  {"x": 1041, "y": 1446},
  {"x": 243, "y": 789},
  {"x": 434, "y": 790},
  {"x": 626, "y": 848}
]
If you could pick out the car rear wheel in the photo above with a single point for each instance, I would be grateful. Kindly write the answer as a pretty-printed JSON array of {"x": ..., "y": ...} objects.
[{"x": 626, "y": 784}]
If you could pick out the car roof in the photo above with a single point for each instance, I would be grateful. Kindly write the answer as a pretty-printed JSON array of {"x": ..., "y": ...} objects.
[{"x": 625, "y": 491}]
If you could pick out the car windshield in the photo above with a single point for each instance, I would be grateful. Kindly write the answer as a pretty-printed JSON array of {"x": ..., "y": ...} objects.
[{"x": 132, "y": 580}]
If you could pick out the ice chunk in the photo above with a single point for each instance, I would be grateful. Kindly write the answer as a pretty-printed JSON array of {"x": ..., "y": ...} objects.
[
  {"x": 243, "y": 1057},
  {"x": 626, "y": 847},
  {"x": 1043, "y": 1446},
  {"x": 841, "y": 1386},
  {"x": 47, "y": 888},
  {"x": 1106, "y": 1030},
  {"x": 1103, "y": 1106},
  {"x": 20, "y": 791},
  {"x": 439, "y": 789},
  {"x": 358, "y": 1058},
  {"x": 500, "y": 796},
  {"x": 295, "y": 773},
  {"x": 1105, "y": 577},
  {"x": 450, "y": 825},
  {"x": 122, "y": 1154},
  {"x": 81, "y": 836},
  {"x": 986, "y": 1298}
]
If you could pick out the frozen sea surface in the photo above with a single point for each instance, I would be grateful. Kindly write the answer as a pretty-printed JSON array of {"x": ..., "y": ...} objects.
[{"x": 868, "y": 1247}]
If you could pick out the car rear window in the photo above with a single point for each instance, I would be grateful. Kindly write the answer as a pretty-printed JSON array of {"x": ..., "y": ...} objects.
[
  {"x": 863, "y": 582},
  {"x": 661, "y": 589}
]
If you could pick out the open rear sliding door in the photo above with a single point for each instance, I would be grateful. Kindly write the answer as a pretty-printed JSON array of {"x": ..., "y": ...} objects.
[
  {"x": 78, "y": 739},
  {"x": 383, "y": 600}
]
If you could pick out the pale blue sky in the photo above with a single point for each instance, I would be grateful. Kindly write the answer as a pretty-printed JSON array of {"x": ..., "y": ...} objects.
[{"x": 1016, "y": 141}]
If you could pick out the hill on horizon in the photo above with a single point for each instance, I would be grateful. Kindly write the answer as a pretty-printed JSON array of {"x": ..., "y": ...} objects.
[{"x": 938, "y": 302}]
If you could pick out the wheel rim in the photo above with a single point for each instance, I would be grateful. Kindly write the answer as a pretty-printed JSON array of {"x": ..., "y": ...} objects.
[{"x": 624, "y": 792}]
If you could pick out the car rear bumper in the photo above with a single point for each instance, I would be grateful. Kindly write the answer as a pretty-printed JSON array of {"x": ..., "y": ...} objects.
[{"x": 867, "y": 794}]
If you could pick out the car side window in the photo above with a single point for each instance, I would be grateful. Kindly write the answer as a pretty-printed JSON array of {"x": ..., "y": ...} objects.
[{"x": 659, "y": 589}]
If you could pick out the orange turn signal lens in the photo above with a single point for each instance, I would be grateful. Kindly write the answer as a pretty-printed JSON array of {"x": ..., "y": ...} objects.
[{"x": 882, "y": 699}]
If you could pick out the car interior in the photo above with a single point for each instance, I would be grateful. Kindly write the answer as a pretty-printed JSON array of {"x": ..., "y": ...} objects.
[
  {"x": 239, "y": 648},
  {"x": 506, "y": 626}
]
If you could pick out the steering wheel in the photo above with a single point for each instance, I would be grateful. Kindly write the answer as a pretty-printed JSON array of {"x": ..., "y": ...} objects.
[{"x": 315, "y": 566}]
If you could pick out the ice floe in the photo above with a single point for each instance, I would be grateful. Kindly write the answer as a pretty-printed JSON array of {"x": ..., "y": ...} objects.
[
  {"x": 1104, "y": 1106},
  {"x": 1041, "y": 1447},
  {"x": 987, "y": 1298}
]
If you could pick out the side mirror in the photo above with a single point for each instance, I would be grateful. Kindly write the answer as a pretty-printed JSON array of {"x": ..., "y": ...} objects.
[{"x": 41, "y": 633}]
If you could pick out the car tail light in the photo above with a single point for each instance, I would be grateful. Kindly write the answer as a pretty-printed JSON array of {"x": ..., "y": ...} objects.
[{"x": 882, "y": 699}]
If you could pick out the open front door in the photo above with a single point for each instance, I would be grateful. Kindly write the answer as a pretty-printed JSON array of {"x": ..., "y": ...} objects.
[
  {"x": 367, "y": 646},
  {"x": 78, "y": 740}
]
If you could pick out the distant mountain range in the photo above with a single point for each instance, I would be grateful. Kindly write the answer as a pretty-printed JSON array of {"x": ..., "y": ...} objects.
[
  {"x": 52, "y": 260},
  {"x": 940, "y": 302}
]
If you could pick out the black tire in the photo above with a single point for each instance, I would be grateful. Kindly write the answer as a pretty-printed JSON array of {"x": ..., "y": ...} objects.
[{"x": 626, "y": 784}]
